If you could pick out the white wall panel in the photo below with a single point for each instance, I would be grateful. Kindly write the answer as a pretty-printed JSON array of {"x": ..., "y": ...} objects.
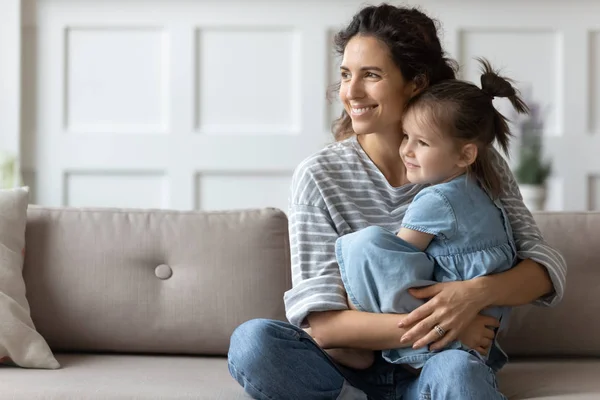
[
  {"x": 10, "y": 76},
  {"x": 594, "y": 193},
  {"x": 248, "y": 80},
  {"x": 115, "y": 189},
  {"x": 116, "y": 80},
  {"x": 554, "y": 197},
  {"x": 30, "y": 179},
  {"x": 221, "y": 191},
  {"x": 594, "y": 87},
  {"x": 29, "y": 97}
]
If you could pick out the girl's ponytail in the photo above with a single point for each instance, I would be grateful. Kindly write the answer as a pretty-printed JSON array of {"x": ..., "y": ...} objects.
[{"x": 495, "y": 85}]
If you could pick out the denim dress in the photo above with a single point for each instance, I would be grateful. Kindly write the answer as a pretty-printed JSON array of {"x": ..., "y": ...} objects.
[{"x": 472, "y": 238}]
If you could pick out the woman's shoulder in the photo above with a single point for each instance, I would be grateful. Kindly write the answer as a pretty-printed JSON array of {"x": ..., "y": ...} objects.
[
  {"x": 332, "y": 157},
  {"x": 325, "y": 168}
]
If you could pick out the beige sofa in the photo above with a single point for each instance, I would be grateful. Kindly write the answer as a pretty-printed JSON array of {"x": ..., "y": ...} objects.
[{"x": 141, "y": 304}]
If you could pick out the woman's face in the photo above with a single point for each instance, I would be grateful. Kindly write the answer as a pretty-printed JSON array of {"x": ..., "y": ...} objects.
[{"x": 373, "y": 90}]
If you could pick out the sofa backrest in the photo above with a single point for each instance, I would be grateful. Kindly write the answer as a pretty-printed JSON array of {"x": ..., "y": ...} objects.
[
  {"x": 572, "y": 327},
  {"x": 180, "y": 282},
  {"x": 153, "y": 281}
]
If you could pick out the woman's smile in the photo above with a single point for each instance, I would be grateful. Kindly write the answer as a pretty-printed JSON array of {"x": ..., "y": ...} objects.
[{"x": 359, "y": 111}]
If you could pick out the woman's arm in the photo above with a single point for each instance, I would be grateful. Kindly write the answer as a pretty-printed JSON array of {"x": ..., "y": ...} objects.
[
  {"x": 316, "y": 281},
  {"x": 361, "y": 330},
  {"x": 318, "y": 298},
  {"x": 542, "y": 274},
  {"x": 522, "y": 284}
]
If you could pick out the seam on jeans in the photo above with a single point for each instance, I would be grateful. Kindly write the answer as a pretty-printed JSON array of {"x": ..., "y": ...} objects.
[
  {"x": 491, "y": 371},
  {"x": 494, "y": 379},
  {"x": 248, "y": 381}
]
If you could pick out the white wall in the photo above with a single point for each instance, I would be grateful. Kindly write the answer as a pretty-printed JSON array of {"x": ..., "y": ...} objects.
[
  {"x": 10, "y": 72},
  {"x": 207, "y": 104}
]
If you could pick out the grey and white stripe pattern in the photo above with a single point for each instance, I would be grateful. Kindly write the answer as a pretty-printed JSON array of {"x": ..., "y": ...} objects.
[{"x": 339, "y": 190}]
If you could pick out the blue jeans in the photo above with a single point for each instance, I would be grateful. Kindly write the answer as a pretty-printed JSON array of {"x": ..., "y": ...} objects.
[{"x": 277, "y": 361}]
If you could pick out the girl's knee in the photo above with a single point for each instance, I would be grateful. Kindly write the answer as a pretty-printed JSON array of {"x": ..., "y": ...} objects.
[{"x": 443, "y": 371}]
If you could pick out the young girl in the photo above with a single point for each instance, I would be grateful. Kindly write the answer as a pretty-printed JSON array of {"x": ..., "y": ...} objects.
[{"x": 455, "y": 229}]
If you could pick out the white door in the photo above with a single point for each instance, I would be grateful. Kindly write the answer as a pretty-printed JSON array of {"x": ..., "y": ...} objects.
[{"x": 211, "y": 105}]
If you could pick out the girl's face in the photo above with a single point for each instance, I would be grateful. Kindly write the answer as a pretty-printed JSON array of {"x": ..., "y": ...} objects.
[
  {"x": 430, "y": 155},
  {"x": 373, "y": 90}
]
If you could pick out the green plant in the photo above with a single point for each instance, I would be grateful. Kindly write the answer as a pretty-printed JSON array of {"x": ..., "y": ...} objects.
[
  {"x": 8, "y": 173},
  {"x": 532, "y": 169}
]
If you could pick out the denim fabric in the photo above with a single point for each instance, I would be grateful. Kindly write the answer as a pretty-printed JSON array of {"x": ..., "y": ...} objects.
[
  {"x": 276, "y": 360},
  {"x": 472, "y": 238}
]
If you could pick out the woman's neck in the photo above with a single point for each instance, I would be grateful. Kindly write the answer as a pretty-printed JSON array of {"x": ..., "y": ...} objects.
[{"x": 384, "y": 151}]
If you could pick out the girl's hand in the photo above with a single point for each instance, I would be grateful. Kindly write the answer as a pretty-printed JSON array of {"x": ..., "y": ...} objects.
[
  {"x": 451, "y": 305},
  {"x": 479, "y": 335}
]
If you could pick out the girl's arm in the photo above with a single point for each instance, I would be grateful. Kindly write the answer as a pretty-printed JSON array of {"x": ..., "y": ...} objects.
[{"x": 418, "y": 239}]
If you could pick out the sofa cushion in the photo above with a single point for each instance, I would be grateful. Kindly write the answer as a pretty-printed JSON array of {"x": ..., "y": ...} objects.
[
  {"x": 20, "y": 343},
  {"x": 570, "y": 328},
  {"x": 153, "y": 281},
  {"x": 101, "y": 377},
  {"x": 551, "y": 379}
]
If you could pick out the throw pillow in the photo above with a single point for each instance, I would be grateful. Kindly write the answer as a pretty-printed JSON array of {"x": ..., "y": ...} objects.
[{"x": 20, "y": 343}]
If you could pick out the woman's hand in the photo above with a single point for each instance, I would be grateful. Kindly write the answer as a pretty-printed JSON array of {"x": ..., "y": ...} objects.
[
  {"x": 479, "y": 334},
  {"x": 451, "y": 305}
]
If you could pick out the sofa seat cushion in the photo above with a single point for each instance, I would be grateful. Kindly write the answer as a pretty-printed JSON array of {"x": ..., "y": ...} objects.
[
  {"x": 551, "y": 379},
  {"x": 90, "y": 376}
]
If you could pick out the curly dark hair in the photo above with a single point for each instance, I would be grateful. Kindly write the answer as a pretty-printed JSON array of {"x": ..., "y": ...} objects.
[{"x": 413, "y": 42}]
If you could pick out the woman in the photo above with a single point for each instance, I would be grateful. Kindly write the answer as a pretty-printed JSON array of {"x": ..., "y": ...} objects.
[{"x": 389, "y": 55}]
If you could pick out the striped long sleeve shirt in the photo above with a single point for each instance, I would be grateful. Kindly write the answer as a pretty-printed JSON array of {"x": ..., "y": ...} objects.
[{"x": 340, "y": 190}]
